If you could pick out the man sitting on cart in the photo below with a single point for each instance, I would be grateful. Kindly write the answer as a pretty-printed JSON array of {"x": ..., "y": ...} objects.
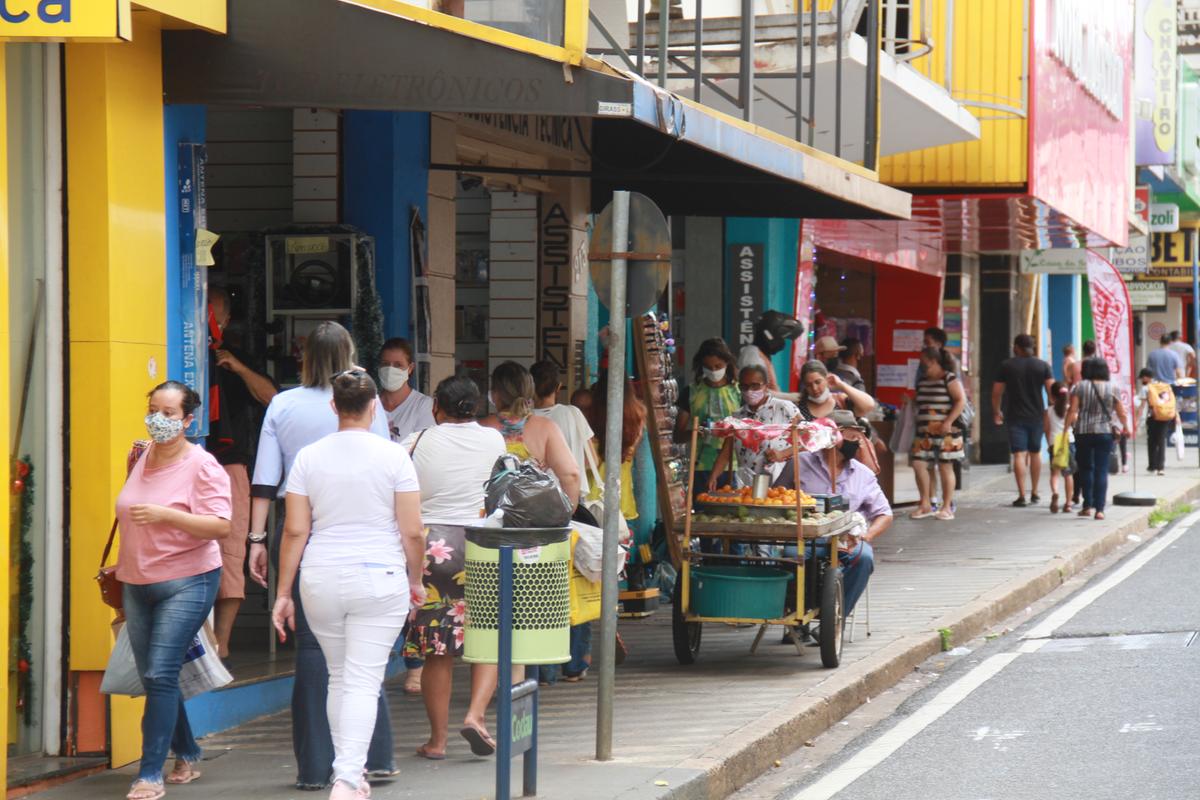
[
  {"x": 857, "y": 485},
  {"x": 757, "y": 404}
]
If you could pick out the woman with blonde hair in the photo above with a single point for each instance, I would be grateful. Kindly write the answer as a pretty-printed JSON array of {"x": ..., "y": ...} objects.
[
  {"x": 526, "y": 435},
  {"x": 295, "y": 419}
]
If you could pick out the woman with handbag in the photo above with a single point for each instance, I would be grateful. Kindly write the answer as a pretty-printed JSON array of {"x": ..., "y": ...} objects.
[
  {"x": 354, "y": 523},
  {"x": 173, "y": 510},
  {"x": 939, "y": 438},
  {"x": 1094, "y": 401},
  {"x": 453, "y": 460}
]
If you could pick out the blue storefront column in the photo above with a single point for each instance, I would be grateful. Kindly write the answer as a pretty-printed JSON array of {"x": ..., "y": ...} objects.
[
  {"x": 181, "y": 123},
  {"x": 385, "y": 174},
  {"x": 1062, "y": 295},
  {"x": 779, "y": 239}
]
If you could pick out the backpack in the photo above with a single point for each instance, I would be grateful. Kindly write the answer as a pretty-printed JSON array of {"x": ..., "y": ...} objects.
[{"x": 1162, "y": 401}]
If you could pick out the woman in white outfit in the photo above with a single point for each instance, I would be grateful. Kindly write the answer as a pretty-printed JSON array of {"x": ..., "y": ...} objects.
[{"x": 358, "y": 494}]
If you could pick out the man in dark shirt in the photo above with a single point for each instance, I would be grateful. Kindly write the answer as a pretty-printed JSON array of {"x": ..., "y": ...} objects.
[
  {"x": 233, "y": 423},
  {"x": 1019, "y": 384}
]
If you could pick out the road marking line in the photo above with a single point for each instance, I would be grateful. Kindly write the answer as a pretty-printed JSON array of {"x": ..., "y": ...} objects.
[
  {"x": 1063, "y": 614},
  {"x": 875, "y": 753},
  {"x": 882, "y": 748}
]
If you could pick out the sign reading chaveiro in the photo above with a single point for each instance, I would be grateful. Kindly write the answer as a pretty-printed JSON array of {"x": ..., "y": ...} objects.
[{"x": 65, "y": 20}]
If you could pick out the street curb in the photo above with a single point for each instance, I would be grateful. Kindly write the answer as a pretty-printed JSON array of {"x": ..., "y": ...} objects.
[{"x": 752, "y": 750}]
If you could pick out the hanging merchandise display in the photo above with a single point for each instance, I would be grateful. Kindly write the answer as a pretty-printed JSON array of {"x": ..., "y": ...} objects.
[{"x": 654, "y": 350}]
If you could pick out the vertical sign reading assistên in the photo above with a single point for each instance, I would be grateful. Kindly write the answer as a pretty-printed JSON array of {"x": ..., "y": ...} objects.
[
  {"x": 746, "y": 297},
  {"x": 554, "y": 288}
]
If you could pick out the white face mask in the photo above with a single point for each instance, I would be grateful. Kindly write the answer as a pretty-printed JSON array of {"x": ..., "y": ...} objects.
[
  {"x": 822, "y": 397},
  {"x": 392, "y": 378},
  {"x": 714, "y": 375}
]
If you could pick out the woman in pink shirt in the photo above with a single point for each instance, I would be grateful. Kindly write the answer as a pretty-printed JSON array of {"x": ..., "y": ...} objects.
[{"x": 174, "y": 508}]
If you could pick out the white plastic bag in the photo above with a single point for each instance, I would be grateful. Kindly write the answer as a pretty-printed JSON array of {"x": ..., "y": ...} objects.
[
  {"x": 588, "y": 552},
  {"x": 1177, "y": 440},
  {"x": 121, "y": 674},
  {"x": 906, "y": 427},
  {"x": 202, "y": 669}
]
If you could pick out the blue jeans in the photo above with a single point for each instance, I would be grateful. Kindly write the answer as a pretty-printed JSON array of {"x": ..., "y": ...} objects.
[
  {"x": 857, "y": 566},
  {"x": 162, "y": 619},
  {"x": 1092, "y": 451},
  {"x": 312, "y": 741},
  {"x": 581, "y": 648}
]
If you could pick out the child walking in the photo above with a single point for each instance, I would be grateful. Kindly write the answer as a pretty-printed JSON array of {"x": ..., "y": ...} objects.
[{"x": 1055, "y": 422}]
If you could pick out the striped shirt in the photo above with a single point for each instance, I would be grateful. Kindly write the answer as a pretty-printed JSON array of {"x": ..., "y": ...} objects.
[
  {"x": 1097, "y": 399},
  {"x": 933, "y": 398}
]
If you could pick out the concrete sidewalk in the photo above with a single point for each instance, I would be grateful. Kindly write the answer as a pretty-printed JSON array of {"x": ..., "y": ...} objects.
[{"x": 702, "y": 731}]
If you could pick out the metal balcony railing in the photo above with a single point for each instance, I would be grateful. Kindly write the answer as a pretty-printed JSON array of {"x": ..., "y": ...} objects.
[{"x": 675, "y": 50}]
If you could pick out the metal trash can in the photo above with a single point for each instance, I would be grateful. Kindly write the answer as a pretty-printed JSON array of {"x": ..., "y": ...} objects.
[{"x": 541, "y": 595}]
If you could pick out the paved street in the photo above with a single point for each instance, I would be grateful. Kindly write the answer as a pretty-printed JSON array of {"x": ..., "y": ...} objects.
[
  {"x": 705, "y": 730},
  {"x": 1098, "y": 697}
]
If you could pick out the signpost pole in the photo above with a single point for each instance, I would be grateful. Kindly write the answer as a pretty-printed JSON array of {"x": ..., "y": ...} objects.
[
  {"x": 1195, "y": 306},
  {"x": 504, "y": 693},
  {"x": 606, "y": 647}
]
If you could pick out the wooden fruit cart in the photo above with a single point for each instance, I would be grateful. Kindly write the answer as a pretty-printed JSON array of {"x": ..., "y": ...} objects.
[{"x": 818, "y": 587}]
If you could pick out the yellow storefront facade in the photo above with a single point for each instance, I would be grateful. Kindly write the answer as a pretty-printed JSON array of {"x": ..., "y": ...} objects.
[{"x": 107, "y": 103}]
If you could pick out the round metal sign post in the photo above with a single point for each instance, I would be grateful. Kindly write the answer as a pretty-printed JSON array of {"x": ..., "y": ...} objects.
[{"x": 647, "y": 254}]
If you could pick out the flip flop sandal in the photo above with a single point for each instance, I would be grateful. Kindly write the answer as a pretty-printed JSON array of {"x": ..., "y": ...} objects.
[
  {"x": 481, "y": 743},
  {"x": 180, "y": 777},
  {"x": 430, "y": 755},
  {"x": 145, "y": 790},
  {"x": 922, "y": 514},
  {"x": 945, "y": 516}
]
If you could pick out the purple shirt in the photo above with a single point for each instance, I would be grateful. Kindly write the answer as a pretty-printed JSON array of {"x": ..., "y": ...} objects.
[{"x": 856, "y": 483}]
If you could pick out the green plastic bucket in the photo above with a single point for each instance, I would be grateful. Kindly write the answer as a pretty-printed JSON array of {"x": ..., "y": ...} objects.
[
  {"x": 740, "y": 592},
  {"x": 541, "y": 595}
]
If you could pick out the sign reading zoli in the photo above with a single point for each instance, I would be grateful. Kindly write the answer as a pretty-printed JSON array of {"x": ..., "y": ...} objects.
[{"x": 65, "y": 20}]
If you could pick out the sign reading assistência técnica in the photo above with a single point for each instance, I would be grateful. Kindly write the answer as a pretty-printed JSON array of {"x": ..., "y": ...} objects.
[{"x": 746, "y": 299}]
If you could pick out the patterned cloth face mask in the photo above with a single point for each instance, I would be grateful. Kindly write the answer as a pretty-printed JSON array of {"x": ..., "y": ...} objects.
[{"x": 163, "y": 429}]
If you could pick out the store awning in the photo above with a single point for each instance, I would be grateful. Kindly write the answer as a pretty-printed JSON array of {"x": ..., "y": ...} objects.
[{"x": 689, "y": 158}]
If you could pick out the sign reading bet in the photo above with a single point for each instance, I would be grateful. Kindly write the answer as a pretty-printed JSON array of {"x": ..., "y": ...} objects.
[{"x": 63, "y": 20}]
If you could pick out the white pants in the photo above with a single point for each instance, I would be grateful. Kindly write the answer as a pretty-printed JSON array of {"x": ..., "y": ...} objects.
[{"x": 356, "y": 613}]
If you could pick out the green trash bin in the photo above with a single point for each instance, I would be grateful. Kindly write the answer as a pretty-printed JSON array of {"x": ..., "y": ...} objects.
[{"x": 541, "y": 595}]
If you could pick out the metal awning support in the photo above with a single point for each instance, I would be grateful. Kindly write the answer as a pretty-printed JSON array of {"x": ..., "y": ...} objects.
[{"x": 688, "y": 158}]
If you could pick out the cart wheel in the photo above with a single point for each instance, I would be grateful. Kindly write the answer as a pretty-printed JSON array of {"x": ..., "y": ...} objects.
[
  {"x": 684, "y": 635},
  {"x": 832, "y": 629}
]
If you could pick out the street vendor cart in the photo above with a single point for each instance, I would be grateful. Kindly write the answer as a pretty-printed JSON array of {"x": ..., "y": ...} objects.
[{"x": 747, "y": 578}]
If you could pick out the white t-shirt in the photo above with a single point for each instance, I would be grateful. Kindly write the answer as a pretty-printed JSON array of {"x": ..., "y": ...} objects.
[
  {"x": 774, "y": 411},
  {"x": 576, "y": 430},
  {"x": 351, "y": 479},
  {"x": 413, "y": 415},
  {"x": 1184, "y": 350},
  {"x": 1057, "y": 424},
  {"x": 454, "y": 461}
]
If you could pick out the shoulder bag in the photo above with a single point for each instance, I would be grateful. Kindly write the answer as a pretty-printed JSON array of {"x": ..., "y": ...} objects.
[{"x": 111, "y": 588}]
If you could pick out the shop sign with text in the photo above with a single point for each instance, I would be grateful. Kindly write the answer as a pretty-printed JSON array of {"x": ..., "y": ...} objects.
[
  {"x": 1156, "y": 98},
  {"x": 1147, "y": 295},
  {"x": 1171, "y": 256},
  {"x": 65, "y": 20},
  {"x": 1164, "y": 217},
  {"x": 746, "y": 299}
]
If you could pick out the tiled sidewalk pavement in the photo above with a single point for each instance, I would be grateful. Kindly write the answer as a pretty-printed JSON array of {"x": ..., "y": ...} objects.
[{"x": 694, "y": 731}]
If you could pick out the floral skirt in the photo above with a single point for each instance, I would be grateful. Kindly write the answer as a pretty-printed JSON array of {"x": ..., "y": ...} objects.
[
  {"x": 437, "y": 629},
  {"x": 945, "y": 446}
]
